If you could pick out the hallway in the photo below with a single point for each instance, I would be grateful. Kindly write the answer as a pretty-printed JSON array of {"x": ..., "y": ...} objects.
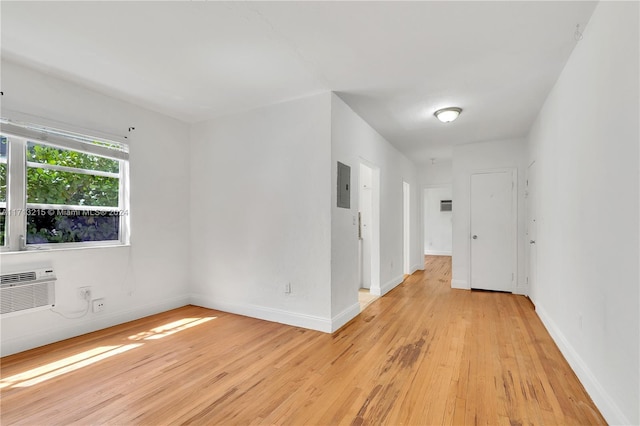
[{"x": 423, "y": 354}]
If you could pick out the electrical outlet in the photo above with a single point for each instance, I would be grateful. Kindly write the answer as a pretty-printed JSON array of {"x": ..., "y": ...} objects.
[
  {"x": 98, "y": 305},
  {"x": 84, "y": 293}
]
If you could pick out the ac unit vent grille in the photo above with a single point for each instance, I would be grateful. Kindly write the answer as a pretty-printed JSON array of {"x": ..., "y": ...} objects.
[
  {"x": 18, "y": 278},
  {"x": 26, "y": 291},
  {"x": 445, "y": 205}
]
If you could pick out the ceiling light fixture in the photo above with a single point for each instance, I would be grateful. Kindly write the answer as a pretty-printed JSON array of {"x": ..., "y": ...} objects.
[{"x": 447, "y": 115}]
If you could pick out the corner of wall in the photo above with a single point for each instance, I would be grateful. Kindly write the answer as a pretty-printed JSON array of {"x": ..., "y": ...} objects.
[
  {"x": 417, "y": 267},
  {"x": 460, "y": 284},
  {"x": 345, "y": 316},
  {"x": 281, "y": 316},
  {"x": 391, "y": 284}
]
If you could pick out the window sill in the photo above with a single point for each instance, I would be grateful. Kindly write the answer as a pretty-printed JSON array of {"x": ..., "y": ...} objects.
[{"x": 47, "y": 249}]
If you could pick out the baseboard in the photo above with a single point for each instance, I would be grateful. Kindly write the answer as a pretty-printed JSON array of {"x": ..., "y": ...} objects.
[
  {"x": 606, "y": 404},
  {"x": 84, "y": 325},
  {"x": 265, "y": 313},
  {"x": 345, "y": 316},
  {"x": 417, "y": 267},
  {"x": 522, "y": 290},
  {"x": 437, "y": 253},
  {"x": 460, "y": 284},
  {"x": 388, "y": 286}
]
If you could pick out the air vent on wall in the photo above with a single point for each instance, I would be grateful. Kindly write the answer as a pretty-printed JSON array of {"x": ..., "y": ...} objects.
[
  {"x": 26, "y": 291},
  {"x": 17, "y": 278}
]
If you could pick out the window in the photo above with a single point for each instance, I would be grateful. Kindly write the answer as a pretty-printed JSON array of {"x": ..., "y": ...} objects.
[
  {"x": 61, "y": 189},
  {"x": 3, "y": 187}
]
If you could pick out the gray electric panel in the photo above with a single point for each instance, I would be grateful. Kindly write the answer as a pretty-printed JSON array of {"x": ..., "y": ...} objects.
[{"x": 344, "y": 183}]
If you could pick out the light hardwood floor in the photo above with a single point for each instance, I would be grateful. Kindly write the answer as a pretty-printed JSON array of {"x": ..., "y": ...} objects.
[
  {"x": 422, "y": 355},
  {"x": 365, "y": 298}
]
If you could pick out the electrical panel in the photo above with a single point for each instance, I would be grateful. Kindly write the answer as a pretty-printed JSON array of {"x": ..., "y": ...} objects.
[{"x": 344, "y": 186}]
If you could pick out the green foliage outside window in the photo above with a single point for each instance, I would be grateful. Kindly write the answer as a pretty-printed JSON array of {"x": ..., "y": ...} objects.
[
  {"x": 78, "y": 227},
  {"x": 3, "y": 198},
  {"x": 48, "y": 186},
  {"x": 61, "y": 157},
  {"x": 3, "y": 182},
  {"x": 3, "y": 187}
]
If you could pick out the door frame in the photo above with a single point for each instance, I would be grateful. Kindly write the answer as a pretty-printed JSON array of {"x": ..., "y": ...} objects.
[
  {"x": 375, "y": 287},
  {"x": 423, "y": 222},
  {"x": 406, "y": 228},
  {"x": 514, "y": 222},
  {"x": 531, "y": 208}
]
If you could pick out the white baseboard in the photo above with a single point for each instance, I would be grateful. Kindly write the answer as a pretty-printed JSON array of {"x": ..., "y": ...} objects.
[
  {"x": 417, "y": 267},
  {"x": 87, "y": 325},
  {"x": 460, "y": 284},
  {"x": 437, "y": 253},
  {"x": 265, "y": 313},
  {"x": 345, "y": 316},
  {"x": 389, "y": 285},
  {"x": 522, "y": 290},
  {"x": 606, "y": 404}
]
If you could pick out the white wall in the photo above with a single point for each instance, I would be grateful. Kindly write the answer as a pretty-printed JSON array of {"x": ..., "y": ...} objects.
[
  {"x": 585, "y": 144},
  {"x": 440, "y": 173},
  {"x": 438, "y": 233},
  {"x": 482, "y": 156},
  {"x": 260, "y": 213},
  {"x": 148, "y": 277},
  {"x": 353, "y": 141},
  {"x": 274, "y": 218},
  {"x": 226, "y": 223}
]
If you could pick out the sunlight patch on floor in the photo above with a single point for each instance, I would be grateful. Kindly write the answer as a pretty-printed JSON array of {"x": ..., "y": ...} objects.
[
  {"x": 91, "y": 356},
  {"x": 170, "y": 328},
  {"x": 66, "y": 365}
]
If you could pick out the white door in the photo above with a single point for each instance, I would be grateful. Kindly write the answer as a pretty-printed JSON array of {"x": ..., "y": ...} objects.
[
  {"x": 531, "y": 231},
  {"x": 365, "y": 211},
  {"x": 493, "y": 247}
]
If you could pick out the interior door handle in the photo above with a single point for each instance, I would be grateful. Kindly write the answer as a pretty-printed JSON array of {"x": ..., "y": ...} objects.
[
  {"x": 475, "y": 237},
  {"x": 532, "y": 241}
]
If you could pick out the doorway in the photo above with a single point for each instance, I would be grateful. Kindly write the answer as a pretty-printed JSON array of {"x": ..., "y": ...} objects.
[
  {"x": 532, "y": 266},
  {"x": 369, "y": 227},
  {"x": 438, "y": 220},
  {"x": 406, "y": 224},
  {"x": 365, "y": 213},
  {"x": 493, "y": 230}
]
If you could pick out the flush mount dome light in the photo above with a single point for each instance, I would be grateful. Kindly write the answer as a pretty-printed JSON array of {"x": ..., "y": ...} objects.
[{"x": 447, "y": 115}]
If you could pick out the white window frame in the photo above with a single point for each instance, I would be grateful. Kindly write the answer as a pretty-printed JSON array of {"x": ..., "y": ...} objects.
[
  {"x": 3, "y": 204},
  {"x": 18, "y": 135}
]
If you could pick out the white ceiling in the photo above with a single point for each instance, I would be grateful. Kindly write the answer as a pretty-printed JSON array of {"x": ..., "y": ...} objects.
[{"x": 394, "y": 63}]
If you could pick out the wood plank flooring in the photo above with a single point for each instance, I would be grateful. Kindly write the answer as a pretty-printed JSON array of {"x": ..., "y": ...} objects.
[{"x": 424, "y": 354}]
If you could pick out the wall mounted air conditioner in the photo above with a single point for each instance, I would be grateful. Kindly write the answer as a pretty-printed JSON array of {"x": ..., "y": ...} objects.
[
  {"x": 446, "y": 205},
  {"x": 27, "y": 291}
]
